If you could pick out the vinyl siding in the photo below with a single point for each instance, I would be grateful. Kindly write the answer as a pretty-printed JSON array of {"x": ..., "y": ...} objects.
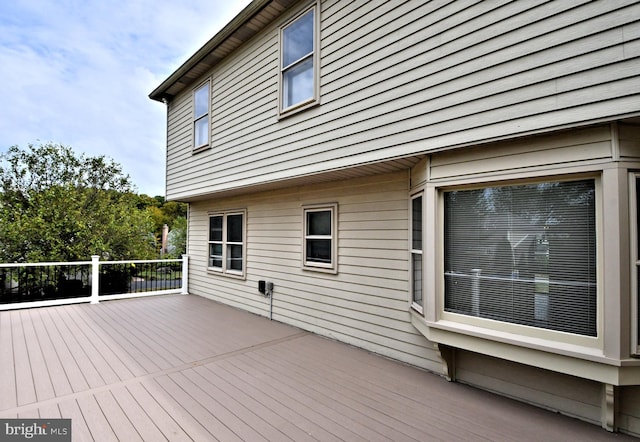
[
  {"x": 555, "y": 151},
  {"x": 569, "y": 395},
  {"x": 365, "y": 304},
  {"x": 405, "y": 78},
  {"x": 629, "y": 416},
  {"x": 629, "y": 139}
]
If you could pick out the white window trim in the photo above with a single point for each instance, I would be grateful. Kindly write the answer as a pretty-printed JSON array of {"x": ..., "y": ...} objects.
[
  {"x": 224, "y": 270},
  {"x": 524, "y": 335},
  {"x": 318, "y": 266},
  {"x": 412, "y": 251},
  {"x": 196, "y": 118},
  {"x": 635, "y": 261},
  {"x": 282, "y": 112}
]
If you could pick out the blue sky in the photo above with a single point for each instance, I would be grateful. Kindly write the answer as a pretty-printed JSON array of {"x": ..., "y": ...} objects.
[{"x": 79, "y": 72}]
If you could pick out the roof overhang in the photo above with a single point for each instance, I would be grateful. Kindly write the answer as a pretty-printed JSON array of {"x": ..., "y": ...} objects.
[{"x": 251, "y": 20}]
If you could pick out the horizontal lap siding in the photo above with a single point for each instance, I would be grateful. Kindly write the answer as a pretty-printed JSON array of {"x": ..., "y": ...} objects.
[
  {"x": 365, "y": 304},
  {"x": 550, "y": 152},
  {"x": 569, "y": 395},
  {"x": 629, "y": 406},
  {"x": 629, "y": 136},
  {"x": 400, "y": 78}
]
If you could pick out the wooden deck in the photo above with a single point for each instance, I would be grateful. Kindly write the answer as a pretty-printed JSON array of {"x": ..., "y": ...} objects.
[{"x": 186, "y": 368}]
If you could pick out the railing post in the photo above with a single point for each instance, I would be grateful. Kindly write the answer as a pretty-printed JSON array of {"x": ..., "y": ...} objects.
[
  {"x": 475, "y": 292},
  {"x": 185, "y": 274},
  {"x": 95, "y": 278}
]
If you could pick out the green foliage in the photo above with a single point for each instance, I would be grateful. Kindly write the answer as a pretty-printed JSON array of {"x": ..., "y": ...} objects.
[
  {"x": 178, "y": 237},
  {"x": 58, "y": 206},
  {"x": 171, "y": 213}
]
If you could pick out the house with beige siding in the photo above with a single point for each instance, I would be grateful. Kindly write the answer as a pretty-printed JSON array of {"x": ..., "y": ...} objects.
[{"x": 451, "y": 184}]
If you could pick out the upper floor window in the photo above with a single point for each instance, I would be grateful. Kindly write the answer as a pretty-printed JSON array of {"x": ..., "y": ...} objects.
[
  {"x": 320, "y": 237},
  {"x": 523, "y": 254},
  {"x": 298, "y": 70},
  {"x": 227, "y": 242},
  {"x": 201, "y": 103}
]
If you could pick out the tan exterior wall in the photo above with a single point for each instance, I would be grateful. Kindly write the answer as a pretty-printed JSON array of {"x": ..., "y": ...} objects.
[
  {"x": 401, "y": 78},
  {"x": 570, "y": 395},
  {"x": 365, "y": 304},
  {"x": 485, "y": 92},
  {"x": 552, "y": 378}
]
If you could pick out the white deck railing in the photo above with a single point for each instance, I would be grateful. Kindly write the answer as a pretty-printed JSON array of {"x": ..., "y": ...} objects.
[{"x": 26, "y": 285}]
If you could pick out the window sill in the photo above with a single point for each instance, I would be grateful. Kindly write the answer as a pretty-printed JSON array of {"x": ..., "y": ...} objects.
[
  {"x": 320, "y": 269},
  {"x": 199, "y": 149},
  {"x": 212, "y": 271},
  {"x": 575, "y": 360},
  {"x": 295, "y": 109}
]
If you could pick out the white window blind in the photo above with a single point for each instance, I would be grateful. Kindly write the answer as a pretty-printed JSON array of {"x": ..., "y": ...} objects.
[{"x": 523, "y": 254}]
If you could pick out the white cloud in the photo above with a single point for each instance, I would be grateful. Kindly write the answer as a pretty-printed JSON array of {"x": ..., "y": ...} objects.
[{"x": 78, "y": 73}]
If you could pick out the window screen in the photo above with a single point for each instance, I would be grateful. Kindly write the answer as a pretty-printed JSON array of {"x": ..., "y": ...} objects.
[{"x": 523, "y": 254}]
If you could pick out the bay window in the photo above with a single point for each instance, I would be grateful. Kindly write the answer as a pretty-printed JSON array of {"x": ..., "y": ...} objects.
[{"x": 523, "y": 254}]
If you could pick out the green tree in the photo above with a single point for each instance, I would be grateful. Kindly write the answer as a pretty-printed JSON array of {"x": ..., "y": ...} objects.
[
  {"x": 178, "y": 237},
  {"x": 59, "y": 206}
]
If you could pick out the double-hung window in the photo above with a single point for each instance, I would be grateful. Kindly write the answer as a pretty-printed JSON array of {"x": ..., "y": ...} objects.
[
  {"x": 227, "y": 242},
  {"x": 320, "y": 238},
  {"x": 523, "y": 254},
  {"x": 201, "y": 104},
  {"x": 298, "y": 62},
  {"x": 416, "y": 252}
]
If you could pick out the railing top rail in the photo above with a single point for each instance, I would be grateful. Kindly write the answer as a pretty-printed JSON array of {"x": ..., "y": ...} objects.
[
  {"x": 43, "y": 264},
  {"x": 60, "y": 263},
  {"x": 140, "y": 261}
]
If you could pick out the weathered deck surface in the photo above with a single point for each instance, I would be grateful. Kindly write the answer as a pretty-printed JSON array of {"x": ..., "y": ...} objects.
[{"x": 186, "y": 368}]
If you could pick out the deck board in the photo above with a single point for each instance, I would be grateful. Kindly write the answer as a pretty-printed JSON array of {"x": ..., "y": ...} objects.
[
  {"x": 56, "y": 372},
  {"x": 162, "y": 420},
  {"x": 143, "y": 424},
  {"x": 102, "y": 372},
  {"x": 73, "y": 373},
  {"x": 25, "y": 389},
  {"x": 41, "y": 379},
  {"x": 8, "y": 397},
  {"x": 184, "y": 368},
  {"x": 292, "y": 417},
  {"x": 80, "y": 432},
  {"x": 76, "y": 344}
]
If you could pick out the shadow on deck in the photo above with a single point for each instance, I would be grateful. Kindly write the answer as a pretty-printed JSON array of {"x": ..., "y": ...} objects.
[{"x": 186, "y": 368}]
